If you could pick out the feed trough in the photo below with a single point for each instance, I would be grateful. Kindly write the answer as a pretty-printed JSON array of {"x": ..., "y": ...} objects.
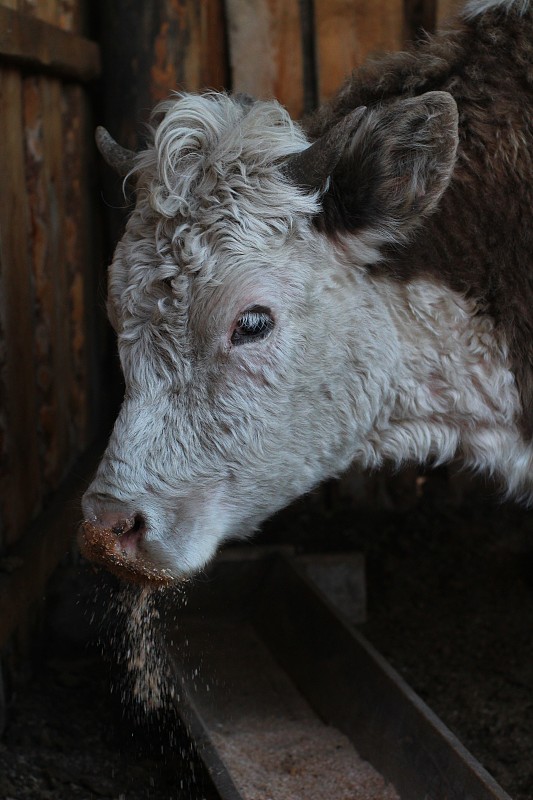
[{"x": 291, "y": 701}]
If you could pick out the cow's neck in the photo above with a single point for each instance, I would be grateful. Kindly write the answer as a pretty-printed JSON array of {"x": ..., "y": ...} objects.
[{"x": 454, "y": 392}]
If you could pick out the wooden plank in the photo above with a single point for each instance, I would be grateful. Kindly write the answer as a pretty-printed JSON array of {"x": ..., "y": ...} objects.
[
  {"x": 214, "y": 57},
  {"x": 188, "y": 51},
  {"x": 266, "y": 51},
  {"x": 46, "y": 179},
  {"x": 37, "y": 45},
  {"x": 307, "y": 22},
  {"x": 59, "y": 177},
  {"x": 97, "y": 387},
  {"x": 152, "y": 50},
  {"x": 21, "y": 484},
  {"x": 66, "y": 15},
  {"x": 78, "y": 253},
  {"x": 447, "y": 10},
  {"x": 4, "y": 420},
  {"x": 149, "y": 51},
  {"x": 348, "y": 31},
  {"x": 37, "y": 181},
  {"x": 175, "y": 50}
]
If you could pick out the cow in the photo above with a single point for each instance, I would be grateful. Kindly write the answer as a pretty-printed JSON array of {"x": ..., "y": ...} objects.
[{"x": 292, "y": 299}]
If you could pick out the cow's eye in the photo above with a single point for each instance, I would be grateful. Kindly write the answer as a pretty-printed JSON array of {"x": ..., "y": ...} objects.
[{"x": 253, "y": 324}]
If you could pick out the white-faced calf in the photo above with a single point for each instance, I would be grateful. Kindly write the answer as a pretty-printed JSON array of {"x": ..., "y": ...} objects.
[{"x": 289, "y": 300}]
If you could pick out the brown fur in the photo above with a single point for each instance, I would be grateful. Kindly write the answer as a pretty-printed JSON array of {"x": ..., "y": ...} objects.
[{"x": 480, "y": 239}]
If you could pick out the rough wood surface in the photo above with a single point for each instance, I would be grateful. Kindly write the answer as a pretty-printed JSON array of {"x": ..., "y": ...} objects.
[
  {"x": 78, "y": 256},
  {"x": 21, "y": 488},
  {"x": 150, "y": 50},
  {"x": 266, "y": 50},
  {"x": 446, "y": 9},
  {"x": 49, "y": 370},
  {"x": 69, "y": 15},
  {"x": 188, "y": 50},
  {"x": 213, "y": 66},
  {"x": 347, "y": 32},
  {"x": 37, "y": 45},
  {"x": 45, "y": 185}
]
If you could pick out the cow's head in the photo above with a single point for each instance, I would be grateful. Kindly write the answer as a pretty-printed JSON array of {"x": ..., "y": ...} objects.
[{"x": 255, "y": 353}]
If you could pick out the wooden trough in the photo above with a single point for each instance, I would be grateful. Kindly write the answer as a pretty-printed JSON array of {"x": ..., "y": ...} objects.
[{"x": 291, "y": 700}]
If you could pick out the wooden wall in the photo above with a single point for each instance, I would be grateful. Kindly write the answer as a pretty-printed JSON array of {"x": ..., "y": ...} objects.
[
  {"x": 52, "y": 344},
  {"x": 53, "y": 341},
  {"x": 298, "y": 51}
]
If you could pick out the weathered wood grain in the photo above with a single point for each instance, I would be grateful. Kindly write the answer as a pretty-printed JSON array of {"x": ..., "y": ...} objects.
[
  {"x": 21, "y": 490},
  {"x": 266, "y": 57},
  {"x": 347, "y": 31},
  {"x": 176, "y": 50},
  {"x": 37, "y": 45},
  {"x": 78, "y": 255},
  {"x": 41, "y": 244},
  {"x": 188, "y": 49},
  {"x": 446, "y": 10},
  {"x": 50, "y": 407},
  {"x": 150, "y": 50},
  {"x": 55, "y": 417},
  {"x": 214, "y": 56}
]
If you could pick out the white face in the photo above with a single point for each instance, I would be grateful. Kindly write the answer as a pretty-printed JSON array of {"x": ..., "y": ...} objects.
[
  {"x": 238, "y": 391},
  {"x": 225, "y": 399},
  {"x": 257, "y": 356}
]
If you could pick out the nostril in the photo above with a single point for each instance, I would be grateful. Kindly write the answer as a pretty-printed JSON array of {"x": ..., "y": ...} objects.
[
  {"x": 122, "y": 526},
  {"x": 115, "y": 539},
  {"x": 139, "y": 523},
  {"x": 135, "y": 524}
]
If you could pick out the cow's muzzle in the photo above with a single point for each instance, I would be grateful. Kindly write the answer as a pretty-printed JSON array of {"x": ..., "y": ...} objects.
[{"x": 116, "y": 543}]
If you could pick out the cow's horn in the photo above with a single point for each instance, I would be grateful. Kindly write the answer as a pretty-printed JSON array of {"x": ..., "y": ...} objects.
[
  {"x": 119, "y": 158},
  {"x": 311, "y": 167}
]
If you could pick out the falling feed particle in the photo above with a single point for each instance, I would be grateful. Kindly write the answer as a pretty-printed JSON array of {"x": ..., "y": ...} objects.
[{"x": 144, "y": 653}]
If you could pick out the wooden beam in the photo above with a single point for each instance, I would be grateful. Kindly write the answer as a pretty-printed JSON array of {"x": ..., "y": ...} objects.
[{"x": 42, "y": 47}]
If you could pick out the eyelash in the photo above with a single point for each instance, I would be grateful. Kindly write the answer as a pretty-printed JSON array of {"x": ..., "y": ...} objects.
[{"x": 253, "y": 325}]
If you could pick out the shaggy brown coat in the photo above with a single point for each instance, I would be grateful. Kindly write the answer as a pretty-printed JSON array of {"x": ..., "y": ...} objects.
[{"x": 480, "y": 240}]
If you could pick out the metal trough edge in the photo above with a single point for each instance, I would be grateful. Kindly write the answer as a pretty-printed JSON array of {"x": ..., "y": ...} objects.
[
  {"x": 343, "y": 677},
  {"x": 216, "y": 770},
  {"x": 351, "y": 686}
]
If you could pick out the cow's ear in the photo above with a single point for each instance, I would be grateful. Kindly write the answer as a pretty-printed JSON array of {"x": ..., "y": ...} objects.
[{"x": 394, "y": 169}]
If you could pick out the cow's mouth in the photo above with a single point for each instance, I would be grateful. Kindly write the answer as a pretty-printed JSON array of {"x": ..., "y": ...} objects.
[{"x": 119, "y": 552}]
